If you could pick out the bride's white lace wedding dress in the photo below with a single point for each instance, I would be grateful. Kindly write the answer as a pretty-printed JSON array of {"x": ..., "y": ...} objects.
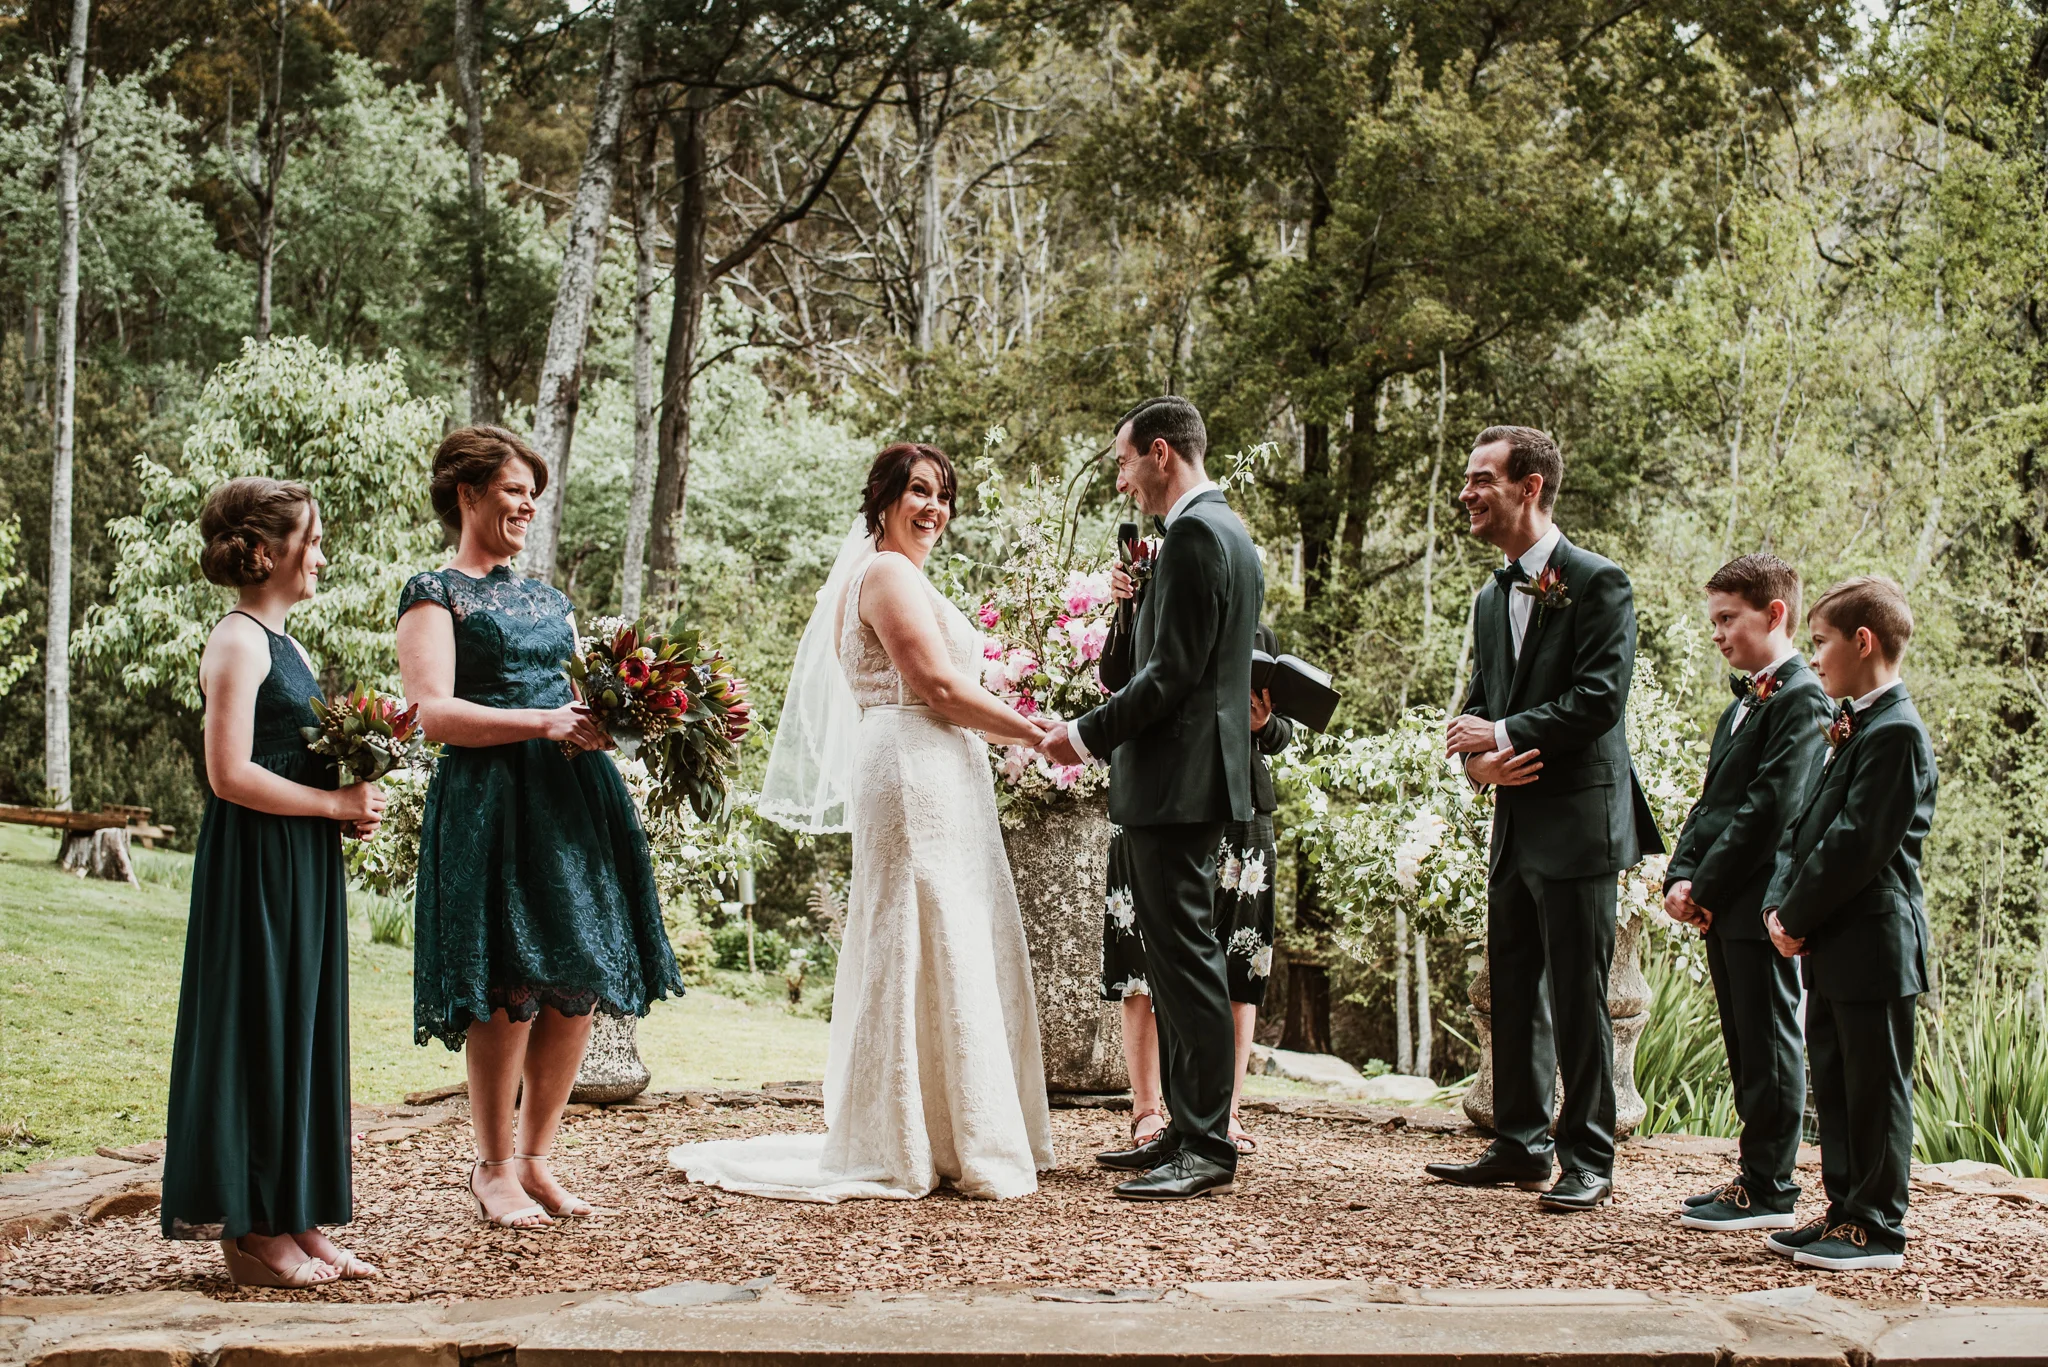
[{"x": 933, "y": 1072}]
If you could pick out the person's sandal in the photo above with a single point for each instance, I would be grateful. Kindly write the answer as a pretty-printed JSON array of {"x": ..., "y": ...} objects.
[
  {"x": 573, "y": 1208},
  {"x": 354, "y": 1269},
  {"x": 1240, "y": 1140},
  {"x": 1140, "y": 1118},
  {"x": 520, "y": 1217},
  {"x": 246, "y": 1269}
]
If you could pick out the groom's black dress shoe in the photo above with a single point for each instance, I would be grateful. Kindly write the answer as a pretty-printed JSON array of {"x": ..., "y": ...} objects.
[
  {"x": 1578, "y": 1189},
  {"x": 1498, "y": 1164},
  {"x": 1180, "y": 1178},
  {"x": 1144, "y": 1157}
]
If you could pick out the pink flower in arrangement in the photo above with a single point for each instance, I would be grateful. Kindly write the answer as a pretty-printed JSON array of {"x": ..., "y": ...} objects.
[
  {"x": 1086, "y": 592},
  {"x": 994, "y": 677},
  {"x": 1020, "y": 665},
  {"x": 1093, "y": 640},
  {"x": 990, "y": 616},
  {"x": 1026, "y": 705},
  {"x": 1066, "y": 776},
  {"x": 991, "y": 649}
]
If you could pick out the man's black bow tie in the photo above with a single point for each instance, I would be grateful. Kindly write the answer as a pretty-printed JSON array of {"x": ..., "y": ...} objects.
[
  {"x": 1510, "y": 574},
  {"x": 1159, "y": 525},
  {"x": 1739, "y": 685}
]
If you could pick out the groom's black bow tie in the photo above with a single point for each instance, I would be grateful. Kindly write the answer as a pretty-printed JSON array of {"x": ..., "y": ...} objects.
[
  {"x": 1159, "y": 525},
  {"x": 1510, "y": 574}
]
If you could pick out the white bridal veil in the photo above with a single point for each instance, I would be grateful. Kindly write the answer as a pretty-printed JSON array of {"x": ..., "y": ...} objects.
[{"x": 810, "y": 768}]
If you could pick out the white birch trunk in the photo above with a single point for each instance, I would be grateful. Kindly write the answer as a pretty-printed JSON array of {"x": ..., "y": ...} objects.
[
  {"x": 483, "y": 398},
  {"x": 639, "y": 510},
  {"x": 1404, "y": 1040},
  {"x": 57, "y": 639},
  {"x": 554, "y": 411},
  {"x": 1423, "y": 1025}
]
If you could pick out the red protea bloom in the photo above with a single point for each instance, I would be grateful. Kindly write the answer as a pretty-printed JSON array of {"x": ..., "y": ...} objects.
[
  {"x": 738, "y": 718},
  {"x": 625, "y": 643},
  {"x": 634, "y": 673}
]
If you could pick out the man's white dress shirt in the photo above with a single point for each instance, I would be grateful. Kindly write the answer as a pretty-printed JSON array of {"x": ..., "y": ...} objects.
[{"x": 1520, "y": 608}]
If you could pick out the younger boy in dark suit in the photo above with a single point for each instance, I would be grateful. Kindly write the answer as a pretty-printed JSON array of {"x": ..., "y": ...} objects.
[
  {"x": 1767, "y": 748},
  {"x": 1847, "y": 897}
]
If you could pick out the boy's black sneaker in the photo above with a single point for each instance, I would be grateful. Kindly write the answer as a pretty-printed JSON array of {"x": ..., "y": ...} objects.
[
  {"x": 1847, "y": 1248},
  {"x": 1789, "y": 1243},
  {"x": 1733, "y": 1209},
  {"x": 1707, "y": 1197}
]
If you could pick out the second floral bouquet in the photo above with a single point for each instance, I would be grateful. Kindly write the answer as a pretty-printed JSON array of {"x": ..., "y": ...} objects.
[
  {"x": 669, "y": 700},
  {"x": 367, "y": 734}
]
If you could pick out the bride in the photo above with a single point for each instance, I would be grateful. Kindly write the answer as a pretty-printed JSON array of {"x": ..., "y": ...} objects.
[{"x": 933, "y": 1072}]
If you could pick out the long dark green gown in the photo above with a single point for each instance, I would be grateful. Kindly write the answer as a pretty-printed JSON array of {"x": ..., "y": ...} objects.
[
  {"x": 258, "y": 1134},
  {"x": 535, "y": 883}
]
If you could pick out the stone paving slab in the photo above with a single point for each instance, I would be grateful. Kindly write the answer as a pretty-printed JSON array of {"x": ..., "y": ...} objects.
[{"x": 1273, "y": 1324}]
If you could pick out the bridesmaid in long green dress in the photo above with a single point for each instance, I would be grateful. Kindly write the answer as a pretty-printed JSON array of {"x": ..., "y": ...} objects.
[
  {"x": 258, "y": 1150},
  {"x": 536, "y": 902}
]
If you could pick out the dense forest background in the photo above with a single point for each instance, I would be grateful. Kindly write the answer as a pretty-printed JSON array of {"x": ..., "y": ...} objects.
[{"x": 1771, "y": 270}]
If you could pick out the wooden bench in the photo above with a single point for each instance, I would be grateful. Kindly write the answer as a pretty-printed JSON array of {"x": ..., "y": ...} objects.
[{"x": 95, "y": 843}]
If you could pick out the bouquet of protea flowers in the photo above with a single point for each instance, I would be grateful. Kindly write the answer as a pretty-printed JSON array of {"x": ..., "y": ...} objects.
[
  {"x": 670, "y": 701},
  {"x": 367, "y": 734}
]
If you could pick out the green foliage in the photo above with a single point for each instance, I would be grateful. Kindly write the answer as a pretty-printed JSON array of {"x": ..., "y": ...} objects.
[
  {"x": 1681, "y": 1063},
  {"x": 290, "y": 410},
  {"x": 14, "y": 662},
  {"x": 1981, "y": 1086},
  {"x": 390, "y": 920},
  {"x": 387, "y": 864},
  {"x": 729, "y": 947}
]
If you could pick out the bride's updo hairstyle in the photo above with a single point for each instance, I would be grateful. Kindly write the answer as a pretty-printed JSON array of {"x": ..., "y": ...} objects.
[
  {"x": 889, "y": 476},
  {"x": 470, "y": 458},
  {"x": 246, "y": 523}
]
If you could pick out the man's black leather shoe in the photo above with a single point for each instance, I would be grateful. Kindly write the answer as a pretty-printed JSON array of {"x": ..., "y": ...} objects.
[
  {"x": 1143, "y": 1157},
  {"x": 1498, "y": 1164},
  {"x": 1577, "y": 1189},
  {"x": 1182, "y": 1177}
]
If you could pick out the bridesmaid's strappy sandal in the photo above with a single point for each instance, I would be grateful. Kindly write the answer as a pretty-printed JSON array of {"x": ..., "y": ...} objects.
[
  {"x": 1242, "y": 1141},
  {"x": 572, "y": 1208},
  {"x": 246, "y": 1269},
  {"x": 517, "y": 1218},
  {"x": 354, "y": 1269},
  {"x": 1140, "y": 1118}
]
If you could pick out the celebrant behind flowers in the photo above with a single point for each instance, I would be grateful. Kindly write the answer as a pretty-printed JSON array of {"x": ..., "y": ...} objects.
[
  {"x": 933, "y": 1073},
  {"x": 256, "y": 1153},
  {"x": 536, "y": 901}
]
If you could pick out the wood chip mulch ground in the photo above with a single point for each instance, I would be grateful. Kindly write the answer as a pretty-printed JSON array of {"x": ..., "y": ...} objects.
[{"x": 1323, "y": 1198}]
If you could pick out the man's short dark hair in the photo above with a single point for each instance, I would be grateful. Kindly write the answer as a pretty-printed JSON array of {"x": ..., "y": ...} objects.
[
  {"x": 1530, "y": 452},
  {"x": 1758, "y": 580},
  {"x": 1174, "y": 418}
]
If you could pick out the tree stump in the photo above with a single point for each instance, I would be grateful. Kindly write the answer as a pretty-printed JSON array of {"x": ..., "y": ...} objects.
[
  {"x": 97, "y": 854},
  {"x": 612, "y": 1071},
  {"x": 1628, "y": 1011},
  {"x": 1060, "y": 861}
]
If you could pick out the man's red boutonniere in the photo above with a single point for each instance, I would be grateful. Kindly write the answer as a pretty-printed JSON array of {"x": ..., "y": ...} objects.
[
  {"x": 1548, "y": 589},
  {"x": 1761, "y": 688},
  {"x": 1838, "y": 730}
]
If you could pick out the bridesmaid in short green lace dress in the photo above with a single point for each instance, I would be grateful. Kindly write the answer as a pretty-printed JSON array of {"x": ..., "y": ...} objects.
[
  {"x": 536, "y": 902},
  {"x": 257, "y": 1139}
]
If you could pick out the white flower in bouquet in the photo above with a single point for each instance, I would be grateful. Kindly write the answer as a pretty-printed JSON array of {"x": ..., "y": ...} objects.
[
  {"x": 1251, "y": 878},
  {"x": 1230, "y": 870},
  {"x": 1120, "y": 908}
]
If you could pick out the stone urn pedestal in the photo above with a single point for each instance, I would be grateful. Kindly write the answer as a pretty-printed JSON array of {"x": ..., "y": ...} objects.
[
  {"x": 612, "y": 1071},
  {"x": 1628, "y": 1010},
  {"x": 1059, "y": 856}
]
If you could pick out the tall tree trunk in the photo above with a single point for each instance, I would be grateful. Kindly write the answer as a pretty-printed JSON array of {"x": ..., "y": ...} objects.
[
  {"x": 633, "y": 572},
  {"x": 1424, "y": 1025},
  {"x": 1404, "y": 1039},
  {"x": 271, "y": 145},
  {"x": 57, "y": 638},
  {"x": 1361, "y": 482},
  {"x": 1307, "y": 1024},
  {"x": 483, "y": 395},
  {"x": 925, "y": 123},
  {"x": 672, "y": 472},
  {"x": 561, "y": 371}
]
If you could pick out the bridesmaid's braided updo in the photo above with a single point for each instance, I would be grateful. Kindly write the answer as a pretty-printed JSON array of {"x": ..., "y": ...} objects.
[{"x": 246, "y": 522}]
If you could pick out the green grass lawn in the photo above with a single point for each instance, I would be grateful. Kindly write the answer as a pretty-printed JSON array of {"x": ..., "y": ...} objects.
[{"x": 89, "y": 999}]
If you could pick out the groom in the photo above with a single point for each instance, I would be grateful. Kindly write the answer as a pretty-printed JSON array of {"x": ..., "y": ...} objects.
[
  {"x": 1181, "y": 736},
  {"x": 1554, "y": 636}
]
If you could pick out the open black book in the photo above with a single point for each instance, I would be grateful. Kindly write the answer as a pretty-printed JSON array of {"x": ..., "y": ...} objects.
[{"x": 1299, "y": 689}]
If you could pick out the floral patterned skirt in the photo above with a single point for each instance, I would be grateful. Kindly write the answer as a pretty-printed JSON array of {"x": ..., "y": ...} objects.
[{"x": 1244, "y": 914}]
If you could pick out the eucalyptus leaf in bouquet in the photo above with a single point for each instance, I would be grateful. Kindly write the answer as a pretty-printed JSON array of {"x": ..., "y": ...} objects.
[{"x": 367, "y": 734}]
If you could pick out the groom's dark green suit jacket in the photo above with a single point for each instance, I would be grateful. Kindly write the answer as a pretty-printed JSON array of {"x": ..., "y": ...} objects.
[
  {"x": 1566, "y": 695},
  {"x": 1756, "y": 786},
  {"x": 1847, "y": 879},
  {"x": 1181, "y": 729}
]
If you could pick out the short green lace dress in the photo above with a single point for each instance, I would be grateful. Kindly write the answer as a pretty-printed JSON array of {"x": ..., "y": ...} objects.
[
  {"x": 257, "y": 1140},
  {"x": 535, "y": 885}
]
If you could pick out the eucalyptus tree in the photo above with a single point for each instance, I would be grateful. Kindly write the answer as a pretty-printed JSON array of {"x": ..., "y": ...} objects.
[{"x": 57, "y": 634}]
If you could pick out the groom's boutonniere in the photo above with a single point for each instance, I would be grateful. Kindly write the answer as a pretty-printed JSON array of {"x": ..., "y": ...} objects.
[
  {"x": 1548, "y": 589},
  {"x": 1140, "y": 558}
]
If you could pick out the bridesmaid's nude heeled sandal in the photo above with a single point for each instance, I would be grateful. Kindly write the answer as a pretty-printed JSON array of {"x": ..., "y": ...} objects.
[
  {"x": 354, "y": 1269},
  {"x": 573, "y": 1208},
  {"x": 246, "y": 1269},
  {"x": 516, "y": 1218}
]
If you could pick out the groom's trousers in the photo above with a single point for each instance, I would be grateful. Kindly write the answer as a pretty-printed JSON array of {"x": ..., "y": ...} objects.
[
  {"x": 1549, "y": 949},
  {"x": 1174, "y": 894}
]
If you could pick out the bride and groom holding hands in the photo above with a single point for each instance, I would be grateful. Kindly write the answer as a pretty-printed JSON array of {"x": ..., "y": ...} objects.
[{"x": 933, "y": 1070}]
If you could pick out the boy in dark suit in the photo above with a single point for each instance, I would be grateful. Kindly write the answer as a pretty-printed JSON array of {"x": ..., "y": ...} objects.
[
  {"x": 1767, "y": 748},
  {"x": 1847, "y": 897}
]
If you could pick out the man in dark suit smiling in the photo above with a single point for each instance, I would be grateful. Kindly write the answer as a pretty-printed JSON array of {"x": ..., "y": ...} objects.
[{"x": 1554, "y": 638}]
